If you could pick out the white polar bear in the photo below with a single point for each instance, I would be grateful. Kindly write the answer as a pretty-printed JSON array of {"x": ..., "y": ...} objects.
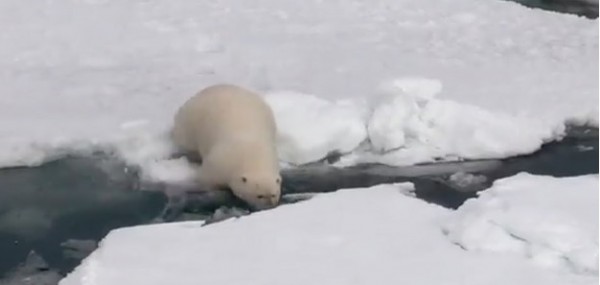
[{"x": 234, "y": 132}]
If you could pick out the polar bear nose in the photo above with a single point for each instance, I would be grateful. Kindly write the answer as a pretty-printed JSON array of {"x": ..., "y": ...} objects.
[
  {"x": 273, "y": 200},
  {"x": 269, "y": 199}
]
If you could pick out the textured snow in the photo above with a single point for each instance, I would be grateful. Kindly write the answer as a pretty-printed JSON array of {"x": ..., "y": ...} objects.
[
  {"x": 79, "y": 76},
  {"x": 409, "y": 125},
  {"x": 553, "y": 221},
  {"x": 310, "y": 127},
  {"x": 392, "y": 239}
]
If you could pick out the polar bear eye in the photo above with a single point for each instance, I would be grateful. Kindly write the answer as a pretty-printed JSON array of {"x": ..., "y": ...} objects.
[
  {"x": 278, "y": 181},
  {"x": 260, "y": 196},
  {"x": 244, "y": 179}
]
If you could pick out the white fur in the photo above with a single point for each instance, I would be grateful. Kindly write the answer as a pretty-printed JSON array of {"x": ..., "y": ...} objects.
[{"x": 233, "y": 130}]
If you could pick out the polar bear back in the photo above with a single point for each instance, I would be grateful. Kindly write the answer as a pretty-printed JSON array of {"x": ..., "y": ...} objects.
[{"x": 220, "y": 113}]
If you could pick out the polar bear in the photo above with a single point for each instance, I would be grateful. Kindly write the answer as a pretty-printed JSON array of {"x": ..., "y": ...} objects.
[{"x": 233, "y": 130}]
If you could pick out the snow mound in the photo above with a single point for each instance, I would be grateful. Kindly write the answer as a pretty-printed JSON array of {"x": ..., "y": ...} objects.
[
  {"x": 395, "y": 118},
  {"x": 375, "y": 235},
  {"x": 409, "y": 125},
  {"x": 311, "y": 127},
  {"x": 553, "y": 221}
]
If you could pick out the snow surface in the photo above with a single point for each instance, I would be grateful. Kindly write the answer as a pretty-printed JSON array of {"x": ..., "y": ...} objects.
[
  {"x": 377, "y": 235},
  {"x": 411, "y": 126},
  {"x": 553, "y": 221},
  {"x": 311, "y": 127},
  {"x": 471, "y": 79}
]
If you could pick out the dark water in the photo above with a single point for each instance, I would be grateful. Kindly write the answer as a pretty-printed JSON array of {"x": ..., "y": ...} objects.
[
  {"x": 72, "y": 198},
  {"x": 585, "y": 8},
  {"x": 78, "y": 200}
]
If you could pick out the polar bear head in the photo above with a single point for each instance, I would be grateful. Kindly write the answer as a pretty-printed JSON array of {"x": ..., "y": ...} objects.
[{"x": 258, "y": 190}]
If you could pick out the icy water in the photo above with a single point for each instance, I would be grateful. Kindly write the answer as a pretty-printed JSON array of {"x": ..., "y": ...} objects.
[
  {"x": 586, "y": 8},
  {"x": 60, "y": 209},
  {"x": 72, "y": 198}
]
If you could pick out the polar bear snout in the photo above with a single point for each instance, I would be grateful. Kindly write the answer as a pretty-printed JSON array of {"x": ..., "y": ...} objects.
[
  {"x": 264, "y": 201},
  {"x": 269, "y": 200},
  {"x": 257, "y": 191}
]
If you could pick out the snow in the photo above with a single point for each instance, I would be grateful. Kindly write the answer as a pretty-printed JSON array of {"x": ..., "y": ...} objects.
[
  {"x": 467, "y": 181},
  {"x": 377, "y": 235},
  {"x": 397, "y": 116},
  {"x": 311, "y": 127},
  {"x": 552, "y": 221},
  {"x": 411, "y": 126},
  {"x": 81, "y": 76}
]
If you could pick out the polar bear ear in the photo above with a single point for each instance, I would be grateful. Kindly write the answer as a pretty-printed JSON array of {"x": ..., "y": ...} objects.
[{"x": 244, "y": 179}]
